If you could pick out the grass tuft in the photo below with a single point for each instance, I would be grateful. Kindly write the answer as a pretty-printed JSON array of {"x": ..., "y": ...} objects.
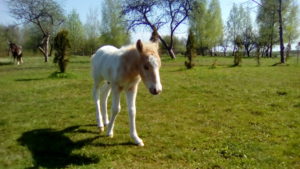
[{"x": 60, "y": 75}]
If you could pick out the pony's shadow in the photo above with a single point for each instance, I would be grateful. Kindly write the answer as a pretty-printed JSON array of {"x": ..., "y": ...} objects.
[{"x": 52, "y": 149}]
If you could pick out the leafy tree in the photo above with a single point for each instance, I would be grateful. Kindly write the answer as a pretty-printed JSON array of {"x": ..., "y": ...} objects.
[
  {"x": 198, "y": 22},
  {"x": 76, "y": 32},
  {"x": 248, "y": 33},
  {"x": 92, "y": 31},
  {"x": 214, "y": 24},
  {"x": 61, "y": 44},
  {"x": 283, "y": 16},
  {"x": 267, "y": 22},
  {"x": 45, "y": 14},
  {"x": 292, "y": 23},
  {"x": 236, "y": 24},
  {"x": 114, "y": 28},
  {"x": 8, "y": 33},
  {"x": 224, "y": 41},
  {"x": 32, "y": 37}
]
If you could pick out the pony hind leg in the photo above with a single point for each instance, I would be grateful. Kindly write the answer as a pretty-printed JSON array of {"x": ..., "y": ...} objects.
[
  {"x": 116, "y": 108},
  {"x": 96, "y": 95},
  {"x": 21, "y": 58},
  {"x": 104, "y": 93}
]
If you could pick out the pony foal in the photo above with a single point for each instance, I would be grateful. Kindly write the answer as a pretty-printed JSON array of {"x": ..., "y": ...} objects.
[{"x": 122, "y": 69}]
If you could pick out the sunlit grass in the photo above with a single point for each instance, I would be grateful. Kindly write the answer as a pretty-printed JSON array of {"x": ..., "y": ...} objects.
[{"x": 222, "y": 117}]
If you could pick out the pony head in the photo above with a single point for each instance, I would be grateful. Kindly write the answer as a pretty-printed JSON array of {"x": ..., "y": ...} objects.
[{"x": 149, "y": 66}]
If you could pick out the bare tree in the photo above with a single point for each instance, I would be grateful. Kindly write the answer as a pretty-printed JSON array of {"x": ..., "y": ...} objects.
[
  {"x": 45, "y": 14},
  {"x": 156, "y": 14}
]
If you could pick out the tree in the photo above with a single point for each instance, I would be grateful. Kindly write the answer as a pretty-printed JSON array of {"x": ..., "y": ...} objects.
[
  {"x": 76, "y": 32},
  {"x": 248, "y": 34},
  {"x": 32, "y": 37},
  {"x": 214, "y": 24},
  {"x": 92, "y": 31},
  {"x": 155, "y": 14},
  {"x": 198, "y": 25},
  {"x": 249, "y": 40},
  {"x": 282, "y": 58},
  {"x": 61, "y": 44},
  {"x": 224, "y": 41},
  {"x": 45, "y": 14},
  {"x": 238, "y": 24},
  {"x": 8, "y": 33},
  {"x": 267, "y": 22},
  {"x": 292, "y": 23},
  {"x": 114, "y": 28},
  {"x": 283, "y": 15}
]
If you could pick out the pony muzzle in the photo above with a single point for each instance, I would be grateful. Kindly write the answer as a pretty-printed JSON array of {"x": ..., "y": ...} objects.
[{"x": 155, "y": 90}]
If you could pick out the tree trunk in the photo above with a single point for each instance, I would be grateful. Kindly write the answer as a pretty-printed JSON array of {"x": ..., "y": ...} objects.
[
  {"x": 271, "y": 50},
  {"x": 169, "y": 48},
  {"x": 282, "y": 58},
  {"x": 224, "y": 51},
  {"x": 44, "y": 47},
  {"x": 171, "y": 53},
  {"x": 271, "y": 40},
  {"x": 248, "y": 52},
  {"x": 51, "y": 49}
]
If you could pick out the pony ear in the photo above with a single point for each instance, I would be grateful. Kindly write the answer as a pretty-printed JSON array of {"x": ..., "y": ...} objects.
[{"x": 139, "y": 45}]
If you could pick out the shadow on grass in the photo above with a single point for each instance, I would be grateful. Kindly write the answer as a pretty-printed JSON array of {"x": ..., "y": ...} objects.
[
  {"x": 52, "y": 149},
  {"x": 80, "y": 62},
  {"x": 6, "y": 63},
  {"x": 115, "y": 144},
  {"x": 29, "y": 79}
]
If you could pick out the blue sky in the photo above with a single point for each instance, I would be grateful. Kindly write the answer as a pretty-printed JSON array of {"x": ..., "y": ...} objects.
[{"x": 83, "y": 6}]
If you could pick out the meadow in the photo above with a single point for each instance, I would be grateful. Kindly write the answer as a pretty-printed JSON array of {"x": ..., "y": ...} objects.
[{"x": 207, "y": 117}]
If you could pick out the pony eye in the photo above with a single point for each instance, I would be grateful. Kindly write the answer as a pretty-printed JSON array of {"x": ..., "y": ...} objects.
[{"x": 146, "y": 67}]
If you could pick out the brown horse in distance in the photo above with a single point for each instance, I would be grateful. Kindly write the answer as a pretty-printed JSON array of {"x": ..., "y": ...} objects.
[{"x": 16, "y": 52}]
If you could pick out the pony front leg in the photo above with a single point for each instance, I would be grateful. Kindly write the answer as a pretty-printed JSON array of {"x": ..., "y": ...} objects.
[
  {"x": 131, "y": 97},
  {"x": 116, "y": 108},
  {"x": 96, "y": 93}
]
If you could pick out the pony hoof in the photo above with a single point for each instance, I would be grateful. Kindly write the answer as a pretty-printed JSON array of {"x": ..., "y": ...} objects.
[
  {"x": 101, "y": 129},
  {"x": 141, "y": 144},
  {"x": 110, "y": 135}
]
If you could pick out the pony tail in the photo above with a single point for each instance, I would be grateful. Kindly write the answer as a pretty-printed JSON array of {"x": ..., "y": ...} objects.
[{"x": 155, "y": 36}]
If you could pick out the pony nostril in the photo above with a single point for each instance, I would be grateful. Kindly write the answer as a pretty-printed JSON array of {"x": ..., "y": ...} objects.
[{"x": 153, "y": 91}]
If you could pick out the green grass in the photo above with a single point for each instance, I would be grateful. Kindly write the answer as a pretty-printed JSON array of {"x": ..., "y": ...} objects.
[{"x": 223, "y": 117}]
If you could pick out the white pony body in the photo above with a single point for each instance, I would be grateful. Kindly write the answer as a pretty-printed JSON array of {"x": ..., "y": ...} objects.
[{"x": 122, "y": 69}]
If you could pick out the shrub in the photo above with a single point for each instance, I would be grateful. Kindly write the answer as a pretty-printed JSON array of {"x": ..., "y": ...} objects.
[
  {"x": 237, "y": 55},
  {"x": 61, "y": 44},
  {"x": 190, "y": 50}
]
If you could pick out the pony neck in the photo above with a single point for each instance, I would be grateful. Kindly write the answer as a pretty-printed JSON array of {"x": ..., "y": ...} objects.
[{"x": 130, "y": 64}]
